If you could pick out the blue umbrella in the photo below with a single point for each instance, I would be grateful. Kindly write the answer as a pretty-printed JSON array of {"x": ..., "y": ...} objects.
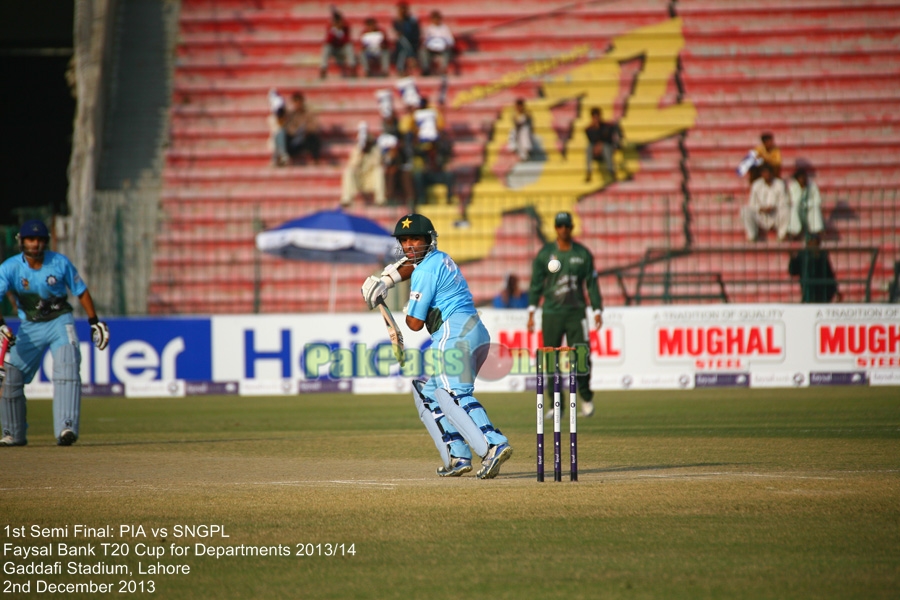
[{"x": 330, "y": 236}]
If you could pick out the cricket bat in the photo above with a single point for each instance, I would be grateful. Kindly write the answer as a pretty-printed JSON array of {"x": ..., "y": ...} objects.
[{"x": 393, "y": 330}]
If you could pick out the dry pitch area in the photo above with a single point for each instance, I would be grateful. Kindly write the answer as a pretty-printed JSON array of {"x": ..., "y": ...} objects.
[{"x": 720, "y": 494}]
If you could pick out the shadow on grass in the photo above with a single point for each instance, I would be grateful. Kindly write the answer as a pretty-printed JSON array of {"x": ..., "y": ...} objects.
[
  {"x": 548, "y": 472},
  {"x": 230, "y": 440}
]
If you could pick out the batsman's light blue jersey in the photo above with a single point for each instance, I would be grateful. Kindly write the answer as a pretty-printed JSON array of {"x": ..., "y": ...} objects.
[
  {"x": 43, "y": 306},
  {"x": 438, "y": 290},
  {"x": 41, "y": 294},
  {"x": 440, "y": 296}
]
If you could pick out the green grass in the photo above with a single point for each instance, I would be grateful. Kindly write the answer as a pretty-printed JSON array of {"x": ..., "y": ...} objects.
[{"x": 700, "y": 494}]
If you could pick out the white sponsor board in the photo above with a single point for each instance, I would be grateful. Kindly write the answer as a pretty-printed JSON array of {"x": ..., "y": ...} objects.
[{"x": 663, "y": 347}]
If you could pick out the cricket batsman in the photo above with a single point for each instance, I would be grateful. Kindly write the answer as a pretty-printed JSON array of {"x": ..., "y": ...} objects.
[
  {"x": 440, "y": 301},
  {"x": 40, "y": 281}
]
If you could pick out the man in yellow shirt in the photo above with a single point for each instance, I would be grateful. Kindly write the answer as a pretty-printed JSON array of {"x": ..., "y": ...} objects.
[{"x": 770, "y": 155}]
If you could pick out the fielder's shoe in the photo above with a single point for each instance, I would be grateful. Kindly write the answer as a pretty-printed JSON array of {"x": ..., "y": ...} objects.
[
  {"x": 67, "y": 438},
  {"x": 587, "y": 409},
  {"x": 7, "y": 440},
  {"x": 458, "y": 466},
  {"x": 496, "y": 456}
]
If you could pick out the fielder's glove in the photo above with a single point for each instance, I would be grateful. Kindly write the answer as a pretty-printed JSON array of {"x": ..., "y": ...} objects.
[
  {"x": 6, "y": 332},
  {"x": 373, "y": 287},
  {"x": 99, "y": 333}
]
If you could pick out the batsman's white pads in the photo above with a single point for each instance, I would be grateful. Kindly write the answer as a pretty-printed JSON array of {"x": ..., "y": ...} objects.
[
  {"x": 66, "y": 389},
  {"x": 100, "y": 335},
  {"x": 372, "y": 289},
  {"x": 463, "y": 423},
  {"x": 12, "y": 406},
  {"x": 6, "y": 332},
  {"x": 431, "y": 425}
]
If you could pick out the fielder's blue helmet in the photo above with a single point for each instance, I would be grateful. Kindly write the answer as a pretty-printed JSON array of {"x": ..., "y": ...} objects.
[{"x": 34, "y": 228}]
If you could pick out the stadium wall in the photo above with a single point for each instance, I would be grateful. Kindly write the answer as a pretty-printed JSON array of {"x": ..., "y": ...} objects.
[{"x": 751, "y": 345}]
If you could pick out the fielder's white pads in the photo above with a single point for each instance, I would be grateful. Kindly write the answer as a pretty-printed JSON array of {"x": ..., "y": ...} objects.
[
  {"x": 463, "y": 423},
  {"x": 372, "y": 289},
  {"x": 100, "y": 335},
  {"x": 431, "y": 425}
]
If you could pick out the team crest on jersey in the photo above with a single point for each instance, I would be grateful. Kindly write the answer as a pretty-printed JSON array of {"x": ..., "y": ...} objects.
[
  {"x": 24, "y": 284},
  {"x": 51, "y": 280},
  {"x": 415, "y": 296}
]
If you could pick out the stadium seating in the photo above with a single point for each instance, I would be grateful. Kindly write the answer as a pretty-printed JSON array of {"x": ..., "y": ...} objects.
[{"x": 822, "y": 75}]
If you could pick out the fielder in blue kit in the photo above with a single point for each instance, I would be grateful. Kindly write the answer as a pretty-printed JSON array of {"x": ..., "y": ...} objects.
[
  {"x": 41, "y": 280},
  {"x": 440, "y": 301}
]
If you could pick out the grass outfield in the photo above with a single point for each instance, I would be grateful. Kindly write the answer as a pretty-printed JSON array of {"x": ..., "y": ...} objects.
[{"x": 701, "y": 494}]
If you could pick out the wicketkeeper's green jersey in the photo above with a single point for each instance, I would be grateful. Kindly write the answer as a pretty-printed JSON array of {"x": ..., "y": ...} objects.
[{"x": 564, "y": 291}]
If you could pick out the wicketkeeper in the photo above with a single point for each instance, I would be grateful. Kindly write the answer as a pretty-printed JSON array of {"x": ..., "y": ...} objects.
[{"x": 41, "y": 280}]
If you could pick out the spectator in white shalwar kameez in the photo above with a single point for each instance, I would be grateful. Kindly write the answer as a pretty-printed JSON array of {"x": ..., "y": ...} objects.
[
  {"x": 769, "y": 206},
  {"x": 364, "y": 172},
  {"x": 806, "y": 205}
]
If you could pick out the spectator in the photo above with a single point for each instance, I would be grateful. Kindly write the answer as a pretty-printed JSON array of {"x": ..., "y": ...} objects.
[
  {"x": 338, "y": 45},
  {"x": 431, "y": 152},
  {"x": 603, "y": 141},
  {"x": 817, "y": 281},
  {"x": 408, "y": 38},
  {"x": 374, "y": 50},
  {"x": 389, "y": 120},
  {"x": 364, "y": 172},
  {"x": 437, "y": 50},
  {"x": 297, "y": 132},
  {"x": 806, "y": 205},
  {"x": 767, "y": 153},
  {"x": 769, "y": 206},
  {"x": 521, "y": 134},
  {"x": 406, "y": 125},
  {"x": 277, "y": 110},
  {"x": 398, "y": 182},
  {"x": 511, "y": 296}
]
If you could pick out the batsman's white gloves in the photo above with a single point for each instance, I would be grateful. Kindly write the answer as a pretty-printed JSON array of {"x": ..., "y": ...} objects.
[
  {"x": 6, "y": 332},
  {"x": 373, "y": 287},
  {"x": 99, "y": 333}
]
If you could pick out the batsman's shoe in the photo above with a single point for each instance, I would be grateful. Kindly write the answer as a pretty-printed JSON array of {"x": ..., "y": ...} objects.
[
  {"x": 7, "y": 440},
  {"x": 496, "y": 456},
  {"x": 587, "y": 409},
  {"x": 67, "y": 438},
  {"x": 458, "y": 466}
]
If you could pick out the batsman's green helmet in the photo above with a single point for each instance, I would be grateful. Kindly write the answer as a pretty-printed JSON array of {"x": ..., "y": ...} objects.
[{"x": 413, "y": 224}]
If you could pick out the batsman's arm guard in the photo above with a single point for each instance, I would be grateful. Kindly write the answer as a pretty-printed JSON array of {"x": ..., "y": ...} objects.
[{"x": 374, "y": 287}]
